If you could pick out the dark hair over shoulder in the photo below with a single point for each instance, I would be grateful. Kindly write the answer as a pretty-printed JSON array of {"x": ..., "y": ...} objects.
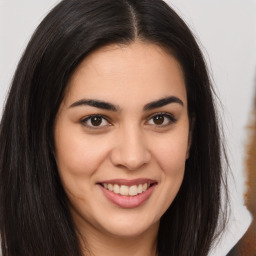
[{"x": 34, "y": 214}]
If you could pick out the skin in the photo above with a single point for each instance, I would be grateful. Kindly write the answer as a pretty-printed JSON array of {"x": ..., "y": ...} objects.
[{"x": 128, "y": 144}]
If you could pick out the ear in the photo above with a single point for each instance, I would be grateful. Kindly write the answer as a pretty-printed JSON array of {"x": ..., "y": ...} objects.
[{"x": 190, "y": 135}]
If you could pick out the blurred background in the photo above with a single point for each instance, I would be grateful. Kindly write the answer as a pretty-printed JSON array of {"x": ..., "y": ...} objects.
[{"x": 226, "y": 32}]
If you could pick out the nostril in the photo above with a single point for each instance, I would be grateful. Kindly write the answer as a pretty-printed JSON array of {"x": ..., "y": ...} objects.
[{"x": 130, "y": 154}]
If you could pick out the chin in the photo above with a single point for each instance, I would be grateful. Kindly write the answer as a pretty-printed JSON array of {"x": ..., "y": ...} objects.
[{"x": 130, "y": 229}]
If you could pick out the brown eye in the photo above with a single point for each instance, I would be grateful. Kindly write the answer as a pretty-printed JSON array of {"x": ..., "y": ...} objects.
[
  {"x": 158, "y": 120},
  {"x": 161, "y": 119},
  {"x": 95, "y": 121}
]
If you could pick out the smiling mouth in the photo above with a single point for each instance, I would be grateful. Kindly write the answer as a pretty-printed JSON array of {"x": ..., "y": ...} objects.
[
  {"x": 128, "y": 193},
  {"x": 126, "y": 190}
]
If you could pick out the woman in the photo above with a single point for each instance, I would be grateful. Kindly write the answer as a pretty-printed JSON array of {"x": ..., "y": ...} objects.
[{"x": 109, "y": 139}]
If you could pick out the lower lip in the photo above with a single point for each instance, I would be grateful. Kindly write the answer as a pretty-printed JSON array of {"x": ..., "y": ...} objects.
[{"x": 128, "y": 201}]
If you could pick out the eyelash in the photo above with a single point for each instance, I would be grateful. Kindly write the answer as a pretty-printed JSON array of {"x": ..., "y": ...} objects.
[
  {"x": 170, "y": 117},
  {"x": 89, "y": 118},
  {"x": 171, "y": 120}
]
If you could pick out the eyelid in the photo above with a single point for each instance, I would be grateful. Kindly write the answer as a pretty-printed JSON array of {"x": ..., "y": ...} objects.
[
  {"x": 170, "y": 116},
  {"x": 85, "y": 119}
]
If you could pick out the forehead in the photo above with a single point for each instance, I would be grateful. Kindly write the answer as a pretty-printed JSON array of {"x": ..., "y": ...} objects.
[{"x": 114, "y": 72}]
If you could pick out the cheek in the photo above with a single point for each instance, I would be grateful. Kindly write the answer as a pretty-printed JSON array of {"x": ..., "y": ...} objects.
[
  {"x": 78, "y": 154},
  {"x": 170, "y": 153},
  {"x": 78, "y": 158}
]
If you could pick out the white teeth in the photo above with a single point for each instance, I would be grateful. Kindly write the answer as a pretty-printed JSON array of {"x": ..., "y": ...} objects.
[
  {"x": 133, "y": 190},
  {"x": 126, "y": 190},
  {"x": 116, "y": 189},
  {"x": 140, "y": 189},
  {"x": 110, "y": 187},
  {"x": 144, "y": 187}
]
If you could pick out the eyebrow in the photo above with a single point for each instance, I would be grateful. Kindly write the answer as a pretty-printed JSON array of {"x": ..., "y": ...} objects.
[
  {"x": 162, "y": 102},
  {"x": 96, "y": 104},
  {"x": 109, "y": 106}
]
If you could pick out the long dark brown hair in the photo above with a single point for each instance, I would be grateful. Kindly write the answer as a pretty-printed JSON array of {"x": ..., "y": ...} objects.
[{"x": 34, "y": 213}]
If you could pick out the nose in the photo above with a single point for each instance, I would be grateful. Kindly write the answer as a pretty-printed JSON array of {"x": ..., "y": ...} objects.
[{"x": 131, "y": 150}]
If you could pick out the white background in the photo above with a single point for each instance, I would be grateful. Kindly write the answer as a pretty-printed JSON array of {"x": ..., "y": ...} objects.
[{"x": 226, "y": 32}]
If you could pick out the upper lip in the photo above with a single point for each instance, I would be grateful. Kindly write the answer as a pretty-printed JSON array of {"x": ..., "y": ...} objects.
[{"x": 128, "y": 182}]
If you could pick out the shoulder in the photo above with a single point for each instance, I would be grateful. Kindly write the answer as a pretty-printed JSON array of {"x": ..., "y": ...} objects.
[
  {"x": 247, "y": 244},
  {"x": 237, "y": 227}
]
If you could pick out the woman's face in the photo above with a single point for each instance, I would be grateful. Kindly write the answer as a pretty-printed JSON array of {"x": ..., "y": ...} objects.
[{"x": 122, "y": 139}]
